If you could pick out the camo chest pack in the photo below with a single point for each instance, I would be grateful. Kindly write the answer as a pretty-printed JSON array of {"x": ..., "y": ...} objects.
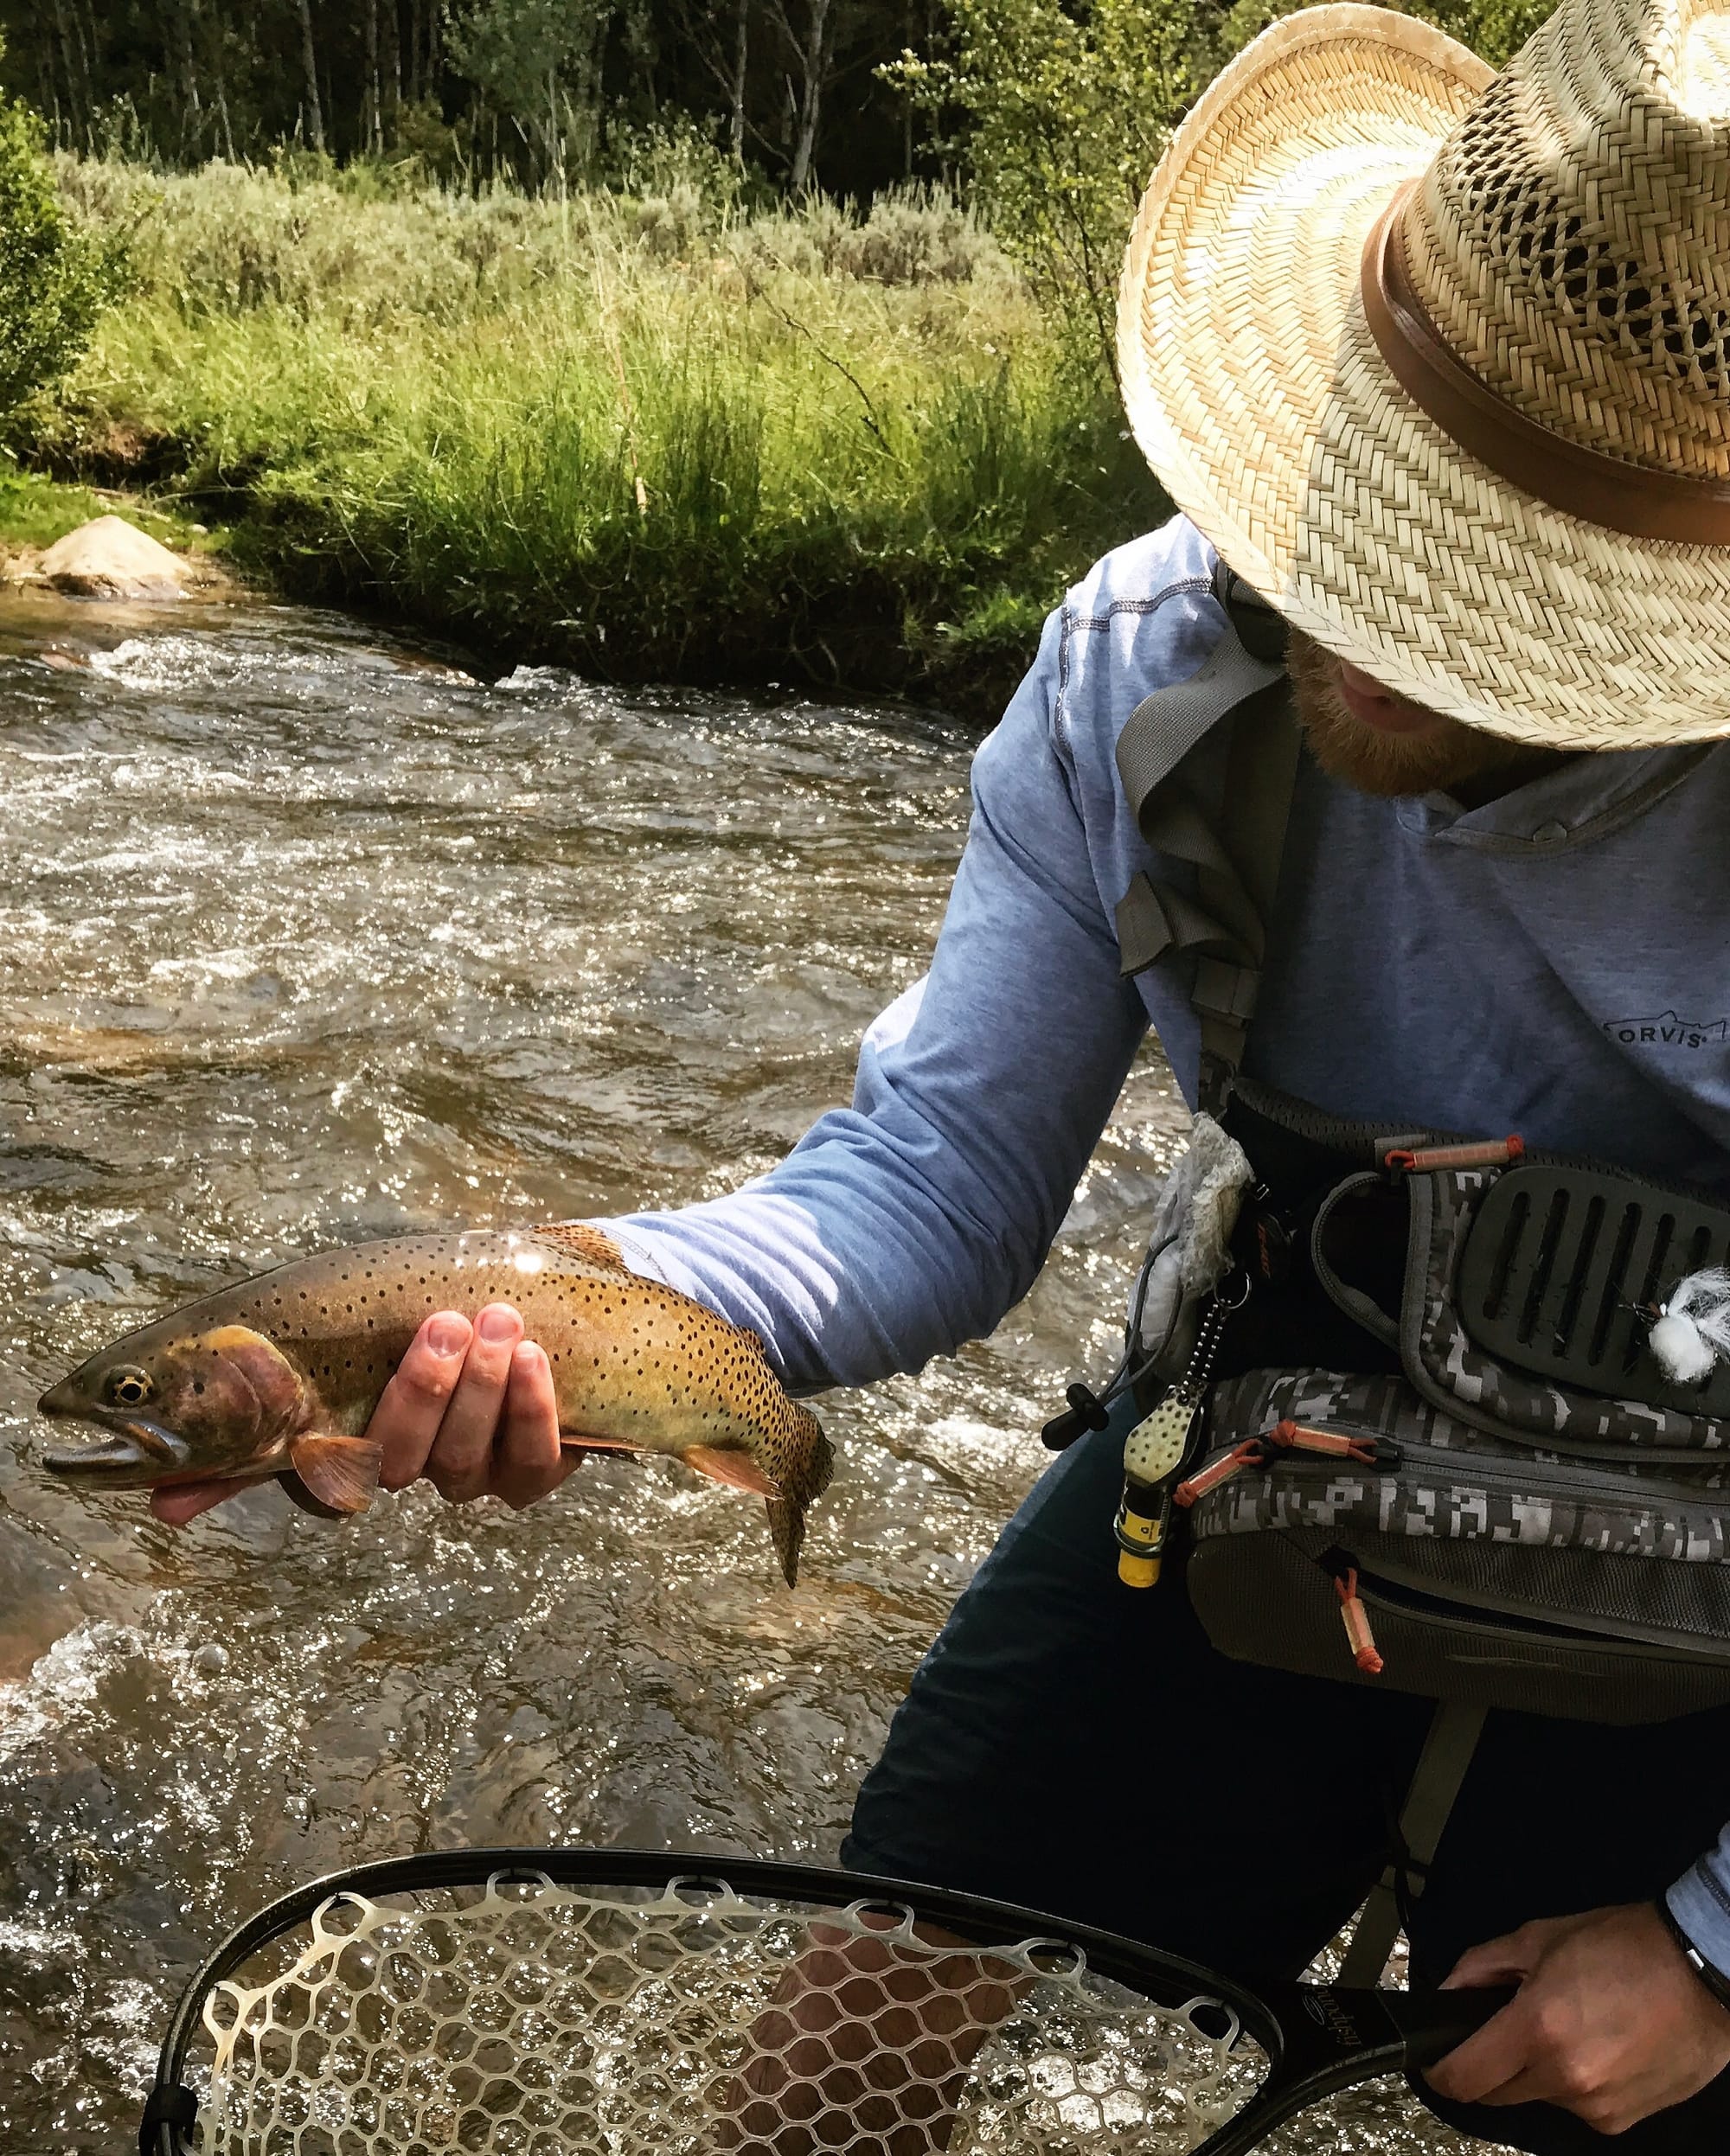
[{"x": 1441, "y": 1403}]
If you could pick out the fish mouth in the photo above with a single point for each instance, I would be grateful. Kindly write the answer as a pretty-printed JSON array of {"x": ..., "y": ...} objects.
[{"x": 134, "y": 1449}]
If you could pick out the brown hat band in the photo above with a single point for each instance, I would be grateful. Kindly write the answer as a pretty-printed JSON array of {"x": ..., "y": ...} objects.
[{"x": 1584, "y": 483}]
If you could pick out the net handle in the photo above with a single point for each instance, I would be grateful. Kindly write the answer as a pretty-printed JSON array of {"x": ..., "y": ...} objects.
[{"x": 1317, "y": 2038}]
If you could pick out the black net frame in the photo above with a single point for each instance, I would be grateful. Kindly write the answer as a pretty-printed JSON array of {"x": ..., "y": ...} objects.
[{"x": 1316, "y": 2038}]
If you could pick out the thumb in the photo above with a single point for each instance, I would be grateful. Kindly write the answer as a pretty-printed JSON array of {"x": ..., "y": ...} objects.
[{"x": 1506, "y": 1961}]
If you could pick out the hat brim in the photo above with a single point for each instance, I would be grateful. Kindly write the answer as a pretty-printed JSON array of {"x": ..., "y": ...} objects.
[{"x": 1263, "y": 402}]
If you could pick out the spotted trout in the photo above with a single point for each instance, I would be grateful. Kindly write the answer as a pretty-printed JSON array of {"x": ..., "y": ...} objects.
[{"x": 279, "y": 1374}]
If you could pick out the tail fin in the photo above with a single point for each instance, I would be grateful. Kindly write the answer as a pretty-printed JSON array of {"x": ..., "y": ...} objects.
[{"x": 811, "y": 1464}]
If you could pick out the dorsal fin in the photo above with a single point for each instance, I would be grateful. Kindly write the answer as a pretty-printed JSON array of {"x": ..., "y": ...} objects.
[{"x": 593, "y": 1245}]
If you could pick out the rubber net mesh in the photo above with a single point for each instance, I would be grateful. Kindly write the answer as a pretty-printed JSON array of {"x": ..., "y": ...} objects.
[{"x": 537, "y": 2019}]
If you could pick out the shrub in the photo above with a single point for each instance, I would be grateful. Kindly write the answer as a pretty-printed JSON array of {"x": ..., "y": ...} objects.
[
  {"x": 1065, "y": 110},
  {"x": 913, "y": 238},
  {"x": 54, "y": 278}
]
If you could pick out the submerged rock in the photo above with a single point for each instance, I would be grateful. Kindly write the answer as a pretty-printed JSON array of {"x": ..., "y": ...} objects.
[{"x": 109, "y": 559}]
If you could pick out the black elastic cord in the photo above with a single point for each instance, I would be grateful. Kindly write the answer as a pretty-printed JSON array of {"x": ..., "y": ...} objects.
[{"x": 1088, "y": 1410}]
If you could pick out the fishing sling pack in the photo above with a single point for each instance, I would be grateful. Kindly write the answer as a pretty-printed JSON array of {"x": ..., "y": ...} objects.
[{"x": 1435, "y": 1449}]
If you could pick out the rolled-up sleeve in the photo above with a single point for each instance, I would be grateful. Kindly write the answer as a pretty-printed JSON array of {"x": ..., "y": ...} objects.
[
  {"x": 912, "y": 1220},
  {"x": 1700, "y": 1901}
]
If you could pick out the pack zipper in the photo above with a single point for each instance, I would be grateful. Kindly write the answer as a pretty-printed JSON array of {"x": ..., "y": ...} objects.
[
  {"x": 1361, "y": 1589},
  {"x": 1390, "y": 1454},
  {"x": 1343, "y": 1567},
  {"x": 1381, "y": 1457}
]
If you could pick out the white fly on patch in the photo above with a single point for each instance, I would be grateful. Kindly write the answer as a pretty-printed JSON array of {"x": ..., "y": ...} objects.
[{"x": 1691, "y": 1333}]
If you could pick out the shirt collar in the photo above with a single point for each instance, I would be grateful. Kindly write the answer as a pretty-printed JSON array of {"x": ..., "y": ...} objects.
[{"x": 1575, "y": 803}]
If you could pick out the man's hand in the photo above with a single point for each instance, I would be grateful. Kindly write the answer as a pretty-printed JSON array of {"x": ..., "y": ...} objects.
[
  {"x": 1610, "y": 2023},
  {"x": 471, "y": 1407}
]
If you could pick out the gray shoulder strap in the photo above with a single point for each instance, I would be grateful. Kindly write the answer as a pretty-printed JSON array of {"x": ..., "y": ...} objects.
[
  {"x": 1437, "y": 1780},
  {"x": 1235, "y": 855}
]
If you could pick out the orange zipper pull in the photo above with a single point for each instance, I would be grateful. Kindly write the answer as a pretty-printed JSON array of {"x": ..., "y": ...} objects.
[
  {"x": 1338, "y": 1443},
  {"x": 1357, "y": 1625},
  {"x": 1248, "y": 1455},
  {"x": 1481, "y": 1153}
]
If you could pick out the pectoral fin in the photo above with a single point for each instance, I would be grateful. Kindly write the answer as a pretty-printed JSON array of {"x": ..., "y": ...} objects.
[
  {"x": 340, "y": 1472},
  {"x": 737, "y": 1469}
]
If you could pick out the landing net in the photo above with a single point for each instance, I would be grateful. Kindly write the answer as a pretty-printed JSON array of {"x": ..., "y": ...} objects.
[{"x": 532, "y": 2019}]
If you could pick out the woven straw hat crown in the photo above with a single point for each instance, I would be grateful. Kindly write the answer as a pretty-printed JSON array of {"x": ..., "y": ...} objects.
[
  {"x": 1562, "y": 236},
  {"x": 1571, "y": 241}
]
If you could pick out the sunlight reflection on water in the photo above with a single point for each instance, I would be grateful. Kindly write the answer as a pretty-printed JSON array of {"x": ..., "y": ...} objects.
[{"x": 304, "y": 940}]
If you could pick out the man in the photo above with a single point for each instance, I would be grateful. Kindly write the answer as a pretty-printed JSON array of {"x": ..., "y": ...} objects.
[{"x": 1486, "y": 477}]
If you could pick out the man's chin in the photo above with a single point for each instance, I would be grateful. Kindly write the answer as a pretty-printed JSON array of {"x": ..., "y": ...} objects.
[
  {"x": 1444, "y": 757},
  {"x": 1392, "y": 766}
]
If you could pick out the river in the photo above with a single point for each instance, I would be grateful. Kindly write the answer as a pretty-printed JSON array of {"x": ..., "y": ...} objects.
[{"x": 309, "y": 937}]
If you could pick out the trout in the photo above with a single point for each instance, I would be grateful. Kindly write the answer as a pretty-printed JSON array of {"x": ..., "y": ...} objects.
[{"x": 279, "y": 1375}]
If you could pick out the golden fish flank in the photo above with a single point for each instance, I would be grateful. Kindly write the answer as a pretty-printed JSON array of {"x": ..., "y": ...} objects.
[{"x": 279, "y": 1375}]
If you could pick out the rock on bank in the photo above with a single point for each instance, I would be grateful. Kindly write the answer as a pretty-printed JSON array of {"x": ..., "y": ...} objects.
[{"x": 109, "y": 559}]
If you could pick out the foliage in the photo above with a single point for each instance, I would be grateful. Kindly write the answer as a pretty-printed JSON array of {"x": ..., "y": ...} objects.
[
  {"x": 528, "y": 56},
  {"x": 36, "y": 511},
  {"x": 1067, "y": 113},
  {"x": 534, "y": 92},
  {"x": 54, "y": 277},
  {"x": 1064, "y": 109},
  {"x": 811, "y": 444}
]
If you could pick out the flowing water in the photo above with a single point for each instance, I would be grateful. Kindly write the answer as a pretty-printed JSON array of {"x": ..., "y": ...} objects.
[{"x": 307, "y": 937}]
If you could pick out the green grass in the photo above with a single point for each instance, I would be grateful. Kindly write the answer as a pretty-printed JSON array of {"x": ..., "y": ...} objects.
[
  {"x": 34, "y": 511},
  {"x": 644, "y": 439}
]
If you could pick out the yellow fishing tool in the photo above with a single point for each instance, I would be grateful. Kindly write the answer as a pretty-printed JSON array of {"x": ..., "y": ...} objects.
[
  {"x": 1156, "y": 1449},
  {"x": 1153, "y": 1455}
]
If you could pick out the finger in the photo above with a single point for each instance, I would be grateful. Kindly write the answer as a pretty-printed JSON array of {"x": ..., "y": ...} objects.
[
  {"x": 1496, "y": 1963},
  {"x": 528, "y": 1460},
  {"x": 460, "y": 1465},
  {"x": 185, "y": 1500},
  {"x": 1509, "y": 1960},
  {"x": 1499, "y": 2053},
  {"x": 411, "y": 1406}
]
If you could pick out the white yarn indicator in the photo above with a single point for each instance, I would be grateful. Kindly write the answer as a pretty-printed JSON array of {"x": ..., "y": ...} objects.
[{"x": 1692, "y": 1331}]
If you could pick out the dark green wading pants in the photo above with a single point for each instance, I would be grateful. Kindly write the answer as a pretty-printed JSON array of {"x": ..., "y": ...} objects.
[{"x": 1063, "y": 1725}]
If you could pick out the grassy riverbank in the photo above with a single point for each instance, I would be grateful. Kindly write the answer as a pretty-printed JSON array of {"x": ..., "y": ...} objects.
[{"x": 644, "y": 435}]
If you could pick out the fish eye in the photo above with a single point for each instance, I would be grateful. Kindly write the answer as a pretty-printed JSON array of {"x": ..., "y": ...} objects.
[{"x": 129, "y": 1387}]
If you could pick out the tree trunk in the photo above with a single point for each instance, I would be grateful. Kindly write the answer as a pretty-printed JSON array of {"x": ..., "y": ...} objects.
[
  {"x": 814, "y": 59},
  {"x": 219, "y": 89},
  {"x": 371, "y": 138},
  {"x": 390, "y": 68},
  {"x": 907, "y": 103},
  {"x": 178, "y": 47},
  {"x": 90, "y": 41},
  {"x": 308, "y": 61},
  {"x": 742, "y": 55},
  {"x": 431, "y": 82},
  {"x": 77, "y": 65}
]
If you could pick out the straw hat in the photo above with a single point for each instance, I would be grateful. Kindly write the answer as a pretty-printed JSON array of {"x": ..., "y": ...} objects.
[{"x": 1440, "y": 361}]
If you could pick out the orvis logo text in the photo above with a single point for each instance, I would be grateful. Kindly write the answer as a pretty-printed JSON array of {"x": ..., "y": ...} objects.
[{"x": 1668, "y": 1031}]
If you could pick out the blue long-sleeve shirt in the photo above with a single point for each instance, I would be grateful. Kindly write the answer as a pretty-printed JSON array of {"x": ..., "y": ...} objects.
[{"x": 1551, "y": 963}]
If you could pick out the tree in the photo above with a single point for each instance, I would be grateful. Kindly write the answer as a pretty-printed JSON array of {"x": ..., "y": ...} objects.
[
  {"x": 1064, "y": 116},
  {"x": 310, "y": 105},
  {"x": 1064, "y": 110},
  {"x": 54, "y": 279},
  {"x": 525, "y": 56},
  {"x": 812, "y": 44}
]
